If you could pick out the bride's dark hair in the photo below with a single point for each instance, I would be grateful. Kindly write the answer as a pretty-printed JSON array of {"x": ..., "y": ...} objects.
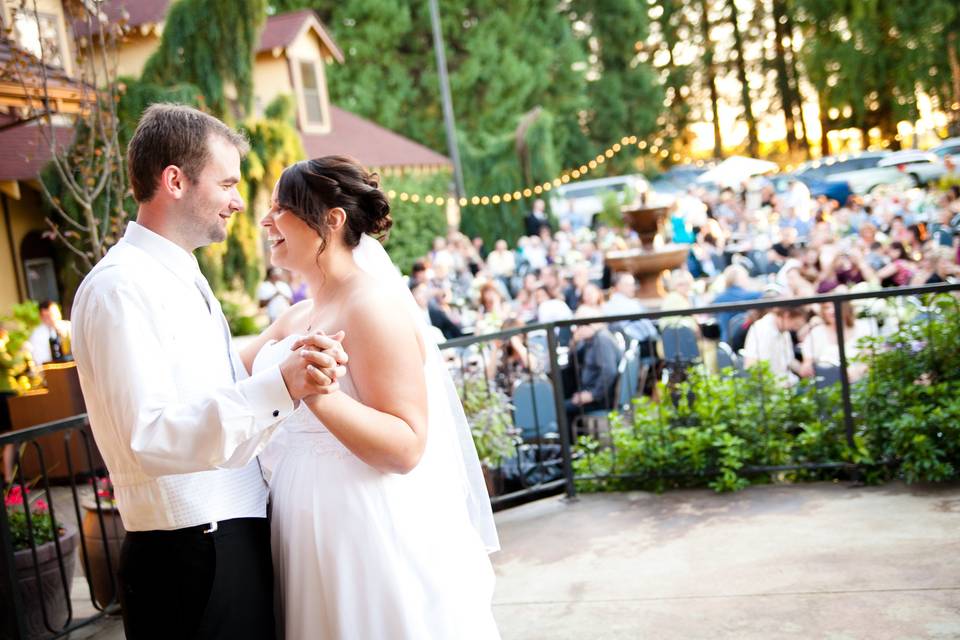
[{"x": 310, "y": 188}]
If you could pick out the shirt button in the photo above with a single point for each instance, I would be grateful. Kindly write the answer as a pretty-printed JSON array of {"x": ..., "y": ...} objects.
[{"x": 276, "y": 412}]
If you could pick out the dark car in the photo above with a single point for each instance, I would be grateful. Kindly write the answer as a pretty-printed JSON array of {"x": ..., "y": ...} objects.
[{"x": 815, "y": 174}]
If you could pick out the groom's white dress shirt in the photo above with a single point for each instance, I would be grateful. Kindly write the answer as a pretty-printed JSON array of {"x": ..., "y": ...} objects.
[{"x": 174, "y": 413}]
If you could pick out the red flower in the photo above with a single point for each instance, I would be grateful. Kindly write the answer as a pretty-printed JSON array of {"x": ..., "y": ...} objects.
[
  {"x": 14, "y": 497},
  {"x": 40, "y": 505}
]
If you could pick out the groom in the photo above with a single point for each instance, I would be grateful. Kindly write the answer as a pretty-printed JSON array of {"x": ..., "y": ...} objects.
[{"x": 174, "y": 413}]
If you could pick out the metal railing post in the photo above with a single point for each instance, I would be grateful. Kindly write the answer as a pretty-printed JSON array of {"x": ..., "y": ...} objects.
[
  {"x": 565, "y": 444},
  {"x": 14, "y": 625},
  {"x": 844, "y": 378}
]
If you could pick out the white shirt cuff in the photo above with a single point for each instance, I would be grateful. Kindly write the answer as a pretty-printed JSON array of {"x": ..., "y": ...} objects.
[{"x": 267, "y": 394}]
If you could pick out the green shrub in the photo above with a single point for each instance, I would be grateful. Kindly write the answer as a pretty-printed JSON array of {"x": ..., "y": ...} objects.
[{"x": 707, "y": 430}]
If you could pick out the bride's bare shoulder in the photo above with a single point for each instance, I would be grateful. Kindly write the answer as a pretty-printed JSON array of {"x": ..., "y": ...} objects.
[
  {"x": 372, "y": 298},
  {"x": 378, "y": 318}
]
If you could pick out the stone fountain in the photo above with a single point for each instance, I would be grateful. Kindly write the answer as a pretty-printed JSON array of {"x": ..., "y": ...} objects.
[{"x": 648, "y": 261}]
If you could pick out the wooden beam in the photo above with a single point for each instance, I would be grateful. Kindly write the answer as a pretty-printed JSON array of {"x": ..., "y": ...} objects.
[{"x": 10, "y": 188}]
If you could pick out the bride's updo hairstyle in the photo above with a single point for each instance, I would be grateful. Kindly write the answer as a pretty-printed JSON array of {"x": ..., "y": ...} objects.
[{"x": 310, "y": 188}]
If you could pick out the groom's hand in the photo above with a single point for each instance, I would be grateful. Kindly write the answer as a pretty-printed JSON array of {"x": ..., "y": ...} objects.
[{"x": 314, "y": 365}]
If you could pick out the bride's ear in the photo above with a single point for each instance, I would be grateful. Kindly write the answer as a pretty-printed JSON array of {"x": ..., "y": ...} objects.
[{"x": 336, "y": 218}]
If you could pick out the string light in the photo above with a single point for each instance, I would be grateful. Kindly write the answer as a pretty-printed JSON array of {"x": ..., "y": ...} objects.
[{"x": 656, "y": 150}]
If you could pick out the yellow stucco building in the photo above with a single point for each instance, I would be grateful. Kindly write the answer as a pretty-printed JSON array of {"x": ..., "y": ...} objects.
[{"x": 290, "y": 60}]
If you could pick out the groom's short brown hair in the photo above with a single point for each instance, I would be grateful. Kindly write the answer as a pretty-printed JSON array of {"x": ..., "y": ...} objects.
[{"x": 173, "y": 134}]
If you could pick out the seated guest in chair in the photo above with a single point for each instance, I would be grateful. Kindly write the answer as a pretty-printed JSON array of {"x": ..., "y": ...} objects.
[{"x": 596, "y": 358}]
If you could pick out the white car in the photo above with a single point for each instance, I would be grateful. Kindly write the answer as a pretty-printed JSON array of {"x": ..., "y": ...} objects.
[
  {"x": 863, "y": 181},
  {"x": 579, "y": 202},
  {"x": 922, "y": 166},
  {"x": 949, "y": 147}
]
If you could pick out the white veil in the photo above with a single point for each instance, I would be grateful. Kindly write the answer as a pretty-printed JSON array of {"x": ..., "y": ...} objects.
[{"x": 450, "y": 453}]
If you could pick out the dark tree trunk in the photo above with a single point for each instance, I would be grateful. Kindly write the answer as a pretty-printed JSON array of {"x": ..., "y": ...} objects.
[
  {"x": 824, "y": 128},
  {"x": 711, "y": 78},
  {"x": 953, "y": 127},
  {"x": 753, "y": 143},
  {"x": 795, "y": 82},
  {"x": 783, "y": 74}
]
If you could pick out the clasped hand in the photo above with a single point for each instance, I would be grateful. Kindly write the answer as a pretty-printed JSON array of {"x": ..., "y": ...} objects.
[{"x": 315, "y": 365}]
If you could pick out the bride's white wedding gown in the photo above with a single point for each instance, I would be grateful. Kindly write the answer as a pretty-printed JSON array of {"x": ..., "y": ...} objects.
[{"x": 361, "y": 554}]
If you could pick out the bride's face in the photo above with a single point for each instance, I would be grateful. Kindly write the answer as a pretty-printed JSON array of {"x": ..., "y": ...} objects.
[{"x": 293, "y": 244}]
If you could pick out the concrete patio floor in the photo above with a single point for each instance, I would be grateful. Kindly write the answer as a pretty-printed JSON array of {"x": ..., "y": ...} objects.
[{"x": 800, "y": 561}]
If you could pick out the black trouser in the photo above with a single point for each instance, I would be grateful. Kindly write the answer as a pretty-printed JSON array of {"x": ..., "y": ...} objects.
[{"x": 186, "y": 584}]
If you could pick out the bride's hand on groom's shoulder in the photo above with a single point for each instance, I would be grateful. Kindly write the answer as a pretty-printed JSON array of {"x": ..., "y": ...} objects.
[{"x": 314, "y": 365}]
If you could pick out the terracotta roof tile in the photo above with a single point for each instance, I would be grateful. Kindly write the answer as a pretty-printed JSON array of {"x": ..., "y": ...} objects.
[
  {"x": 24, "y": 151},
  {"x": 139, "y": 12},
  {"x": 368, "y": 143},
  {"x": 281, "y": 30},
  {"x": 18, "y": 65}
]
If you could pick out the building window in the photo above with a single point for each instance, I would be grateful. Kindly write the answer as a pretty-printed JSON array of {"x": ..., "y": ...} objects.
[
  {"x": 39, "y": 34},
  {"x": 311, "y": 94},
  {"x": 41, "y": 276}
]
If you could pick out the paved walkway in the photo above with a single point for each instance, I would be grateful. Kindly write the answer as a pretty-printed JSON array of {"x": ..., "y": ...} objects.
[{"x": 801, "y": 561}]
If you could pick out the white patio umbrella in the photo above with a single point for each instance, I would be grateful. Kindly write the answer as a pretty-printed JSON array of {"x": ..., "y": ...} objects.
[{"x": 734, "y": 170}]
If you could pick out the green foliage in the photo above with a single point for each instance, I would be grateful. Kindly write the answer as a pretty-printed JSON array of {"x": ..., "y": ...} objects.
[
  {"x": 242, "y": 313},
  {"x": 910, "y": 402},
  {"x": 210, "y": 44},
  {"x": 504, "y": 59},
  {"x": 871, "y": 57},
  {"x": 496, "y": 167},
  {"x": 16, "y": 364},
  {"x": 137, "y": 94},
  {"x": 612, "y": 213},
  {"x": 706, "y": 430},
  {"x": 414, "y": 225},
  {"x": 626, "y": 98},
  {"x": 488, "y": 412},
  {"x": 274, "y": 145},
  {"x": 42, "y": 526}
]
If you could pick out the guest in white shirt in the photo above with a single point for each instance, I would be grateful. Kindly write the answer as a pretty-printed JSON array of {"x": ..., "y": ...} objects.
[
  {"x": 175, "y": 414},
  {"x": 623, "y": 301},
  {"x": 501, "y": 262},
  {"x": 274, "y": 294},
  {"x": 52, "y": 328},
  {"x": 820, "y": 346},
  {"x": 769, "y": 340}
]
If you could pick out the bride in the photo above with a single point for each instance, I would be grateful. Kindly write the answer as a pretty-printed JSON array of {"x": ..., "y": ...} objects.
[{"x": 381, "y": 523}]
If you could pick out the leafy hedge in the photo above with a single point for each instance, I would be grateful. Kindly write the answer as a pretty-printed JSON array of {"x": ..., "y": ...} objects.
[{"x": 709, "y": 429}]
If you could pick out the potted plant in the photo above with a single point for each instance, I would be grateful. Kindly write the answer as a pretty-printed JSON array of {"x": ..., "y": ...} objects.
[
  {"x": 489, "y": 414},
  {"x": 17, "y": 370},
  {"x": 35, "y": 553},
  {"x": 104, "y": 532}
]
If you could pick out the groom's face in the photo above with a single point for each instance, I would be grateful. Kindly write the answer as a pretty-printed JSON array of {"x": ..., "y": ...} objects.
[{"x": 213, "y": 197}]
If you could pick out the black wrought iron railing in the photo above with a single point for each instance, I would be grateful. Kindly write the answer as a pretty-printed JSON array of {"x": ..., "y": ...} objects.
[
  {"x": 518, "y": 387},
  {"x": 539, "y": 371},
  {"x": 54, "y": 515}
]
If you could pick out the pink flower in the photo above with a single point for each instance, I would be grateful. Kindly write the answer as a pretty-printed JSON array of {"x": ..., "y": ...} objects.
[
  {"x": 40, "y": 505},
  {"x": 14, "y": 497}
]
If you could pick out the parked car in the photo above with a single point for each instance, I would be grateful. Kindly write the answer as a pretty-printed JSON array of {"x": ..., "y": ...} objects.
[
  {"x": 676, "y": 179},
  {"x": 579, "y": 202},
  {"x": 949, "y": 147},
  {"x": 921, "y": 166},
  {"x": 820, "y": 175}
]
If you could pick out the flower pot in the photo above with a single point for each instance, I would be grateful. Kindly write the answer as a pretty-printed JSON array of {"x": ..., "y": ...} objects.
[
  {"x": 49, "y": 593},
  {"x": 103, "y": 543},
  {"x": 493, "y": 479}
]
